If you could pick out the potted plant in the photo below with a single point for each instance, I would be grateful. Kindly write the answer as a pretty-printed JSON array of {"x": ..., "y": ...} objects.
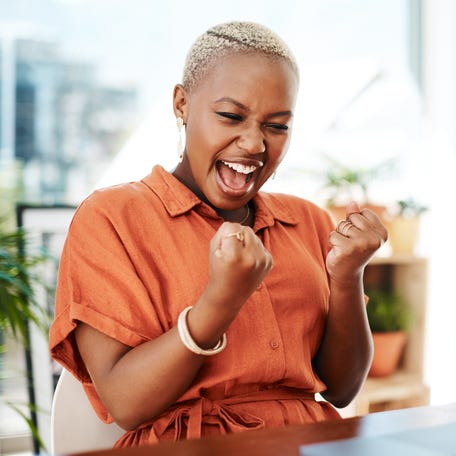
[
  {"x": 389, "y": 318},
  {"x": 342, "y": 184},
  {"x": 404, "y": 225},
  {"x": 18, "y": 305},
  {"x": 17, "y": 281}
]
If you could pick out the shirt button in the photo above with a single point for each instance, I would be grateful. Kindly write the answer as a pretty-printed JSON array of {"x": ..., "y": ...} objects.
[{"x": 274, "y": 344}]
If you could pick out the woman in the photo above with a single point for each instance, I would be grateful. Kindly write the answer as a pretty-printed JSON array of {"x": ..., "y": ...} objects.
[{"x": 190, "y": 304}]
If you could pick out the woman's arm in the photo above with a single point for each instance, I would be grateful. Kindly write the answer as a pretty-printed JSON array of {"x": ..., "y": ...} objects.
[
  {"x": 345, "y": 354},
  {"x": 137, "y": 384}
]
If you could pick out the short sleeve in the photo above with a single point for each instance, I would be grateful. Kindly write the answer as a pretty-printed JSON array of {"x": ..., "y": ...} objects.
[{"x": 98, "y": 285}]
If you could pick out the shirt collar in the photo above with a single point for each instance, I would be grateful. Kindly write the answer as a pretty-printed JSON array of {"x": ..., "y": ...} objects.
[{"x": 178, "y": 200}]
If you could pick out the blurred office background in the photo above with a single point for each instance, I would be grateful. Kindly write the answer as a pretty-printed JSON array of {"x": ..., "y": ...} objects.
[{"x": 85, "y": 101}]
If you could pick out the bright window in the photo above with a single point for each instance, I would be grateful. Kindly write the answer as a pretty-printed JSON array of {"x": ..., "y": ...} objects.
[{"x": 85, "y": 87}]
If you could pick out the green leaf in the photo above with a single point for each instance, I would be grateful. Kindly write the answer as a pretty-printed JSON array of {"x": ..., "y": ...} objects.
[
  {"x": 387, "y": 311},
  {"x": 18, "y": 280},
  {"x": 30, "y": 423}
]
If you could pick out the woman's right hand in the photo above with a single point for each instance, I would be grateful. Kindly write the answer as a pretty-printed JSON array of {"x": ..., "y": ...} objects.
[
  {"x": 125, "y": 376},
  {"x": 238, "y": 263}
]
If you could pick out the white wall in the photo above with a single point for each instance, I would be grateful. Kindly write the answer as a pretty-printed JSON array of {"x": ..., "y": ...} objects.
[{"x": 440, "y": 106}]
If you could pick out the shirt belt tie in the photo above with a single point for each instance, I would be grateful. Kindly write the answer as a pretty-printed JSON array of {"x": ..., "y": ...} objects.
[{"x": 194, "y": 413}]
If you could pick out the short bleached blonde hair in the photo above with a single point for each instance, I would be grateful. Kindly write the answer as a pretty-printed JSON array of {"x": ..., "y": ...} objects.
[{"x": 231, "y": 38}]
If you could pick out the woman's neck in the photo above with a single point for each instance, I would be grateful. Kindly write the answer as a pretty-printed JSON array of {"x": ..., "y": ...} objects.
[{"x": 244, "y": 215}]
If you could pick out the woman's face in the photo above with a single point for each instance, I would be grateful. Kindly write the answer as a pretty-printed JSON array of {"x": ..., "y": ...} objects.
[{"x": 238, "y": 126}]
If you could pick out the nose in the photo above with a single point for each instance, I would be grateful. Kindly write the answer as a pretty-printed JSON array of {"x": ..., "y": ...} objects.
[{"x": 252, "y": 140}]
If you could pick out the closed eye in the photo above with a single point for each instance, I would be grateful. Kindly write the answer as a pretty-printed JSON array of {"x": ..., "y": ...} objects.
[
  {"x": 230, "y": 115},
  {"x": 275, "y": 126}
]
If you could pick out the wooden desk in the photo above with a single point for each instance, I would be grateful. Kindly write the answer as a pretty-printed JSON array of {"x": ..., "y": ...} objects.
[{"x": 286, "y": 441}]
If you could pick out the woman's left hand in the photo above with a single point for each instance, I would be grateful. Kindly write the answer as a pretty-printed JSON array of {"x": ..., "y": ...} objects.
[{"x": 353, "y": 243}]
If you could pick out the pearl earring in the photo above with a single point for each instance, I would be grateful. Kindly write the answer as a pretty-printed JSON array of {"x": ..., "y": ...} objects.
[{"x": 180, "y": 140}]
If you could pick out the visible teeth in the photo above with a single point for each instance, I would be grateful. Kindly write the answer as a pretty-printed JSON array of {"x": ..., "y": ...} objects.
[{"x": 238, "y": 167}]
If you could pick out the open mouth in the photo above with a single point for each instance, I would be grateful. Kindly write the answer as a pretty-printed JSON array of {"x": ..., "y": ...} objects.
[{"x": 236, "y": 177}]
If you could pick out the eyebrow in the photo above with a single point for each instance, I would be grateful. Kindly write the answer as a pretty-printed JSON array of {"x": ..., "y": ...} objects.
[{"x": 245, "y": 108}]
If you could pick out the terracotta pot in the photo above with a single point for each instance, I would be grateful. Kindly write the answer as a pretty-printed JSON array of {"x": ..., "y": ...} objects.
[
  {"x": 403, "y": 234},
  {"x": 388, "y": 348},
  {"x": 339, "y": 212}
]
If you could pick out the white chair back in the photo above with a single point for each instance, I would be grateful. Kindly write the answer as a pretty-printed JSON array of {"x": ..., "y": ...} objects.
[{"x": 75, "y": 427}]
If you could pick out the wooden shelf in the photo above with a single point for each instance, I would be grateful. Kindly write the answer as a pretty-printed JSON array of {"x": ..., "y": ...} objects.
[
  {"x": 402, "y": 258},
  {"x": 406, "y": 274},
  {"x": 400, "y": 390}
]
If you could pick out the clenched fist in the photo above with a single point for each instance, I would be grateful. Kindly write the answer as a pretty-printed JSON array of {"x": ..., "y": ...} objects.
[
  {"x": 353, "y": 243},
  {"x": 238, "y": 262}
]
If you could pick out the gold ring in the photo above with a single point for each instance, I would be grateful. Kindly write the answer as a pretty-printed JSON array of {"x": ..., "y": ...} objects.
[
  {"x": 343, "y": 227},
  {"x": 239, "y": 235},
  {"x": 346, "y": 229},
  {"x": 340, "y": 225}
]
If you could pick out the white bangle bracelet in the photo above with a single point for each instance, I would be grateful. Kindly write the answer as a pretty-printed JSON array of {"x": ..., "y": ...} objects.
[{"x": 188, "y": 341}]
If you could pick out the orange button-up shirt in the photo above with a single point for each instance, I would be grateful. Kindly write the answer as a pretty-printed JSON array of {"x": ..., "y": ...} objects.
[{"x": 137, "y": 254}]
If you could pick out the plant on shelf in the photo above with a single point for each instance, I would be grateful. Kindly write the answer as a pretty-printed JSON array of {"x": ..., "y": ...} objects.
[
  {"x": 389, "y": 318},
  {"x": 410, "y": 208},
  {"x": 404, "y": 225},
  {"x": 342, "y": 184}
]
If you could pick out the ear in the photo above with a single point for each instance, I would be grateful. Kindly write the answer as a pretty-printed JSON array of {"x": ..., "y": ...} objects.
[{"x": 180, "y": 102}]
